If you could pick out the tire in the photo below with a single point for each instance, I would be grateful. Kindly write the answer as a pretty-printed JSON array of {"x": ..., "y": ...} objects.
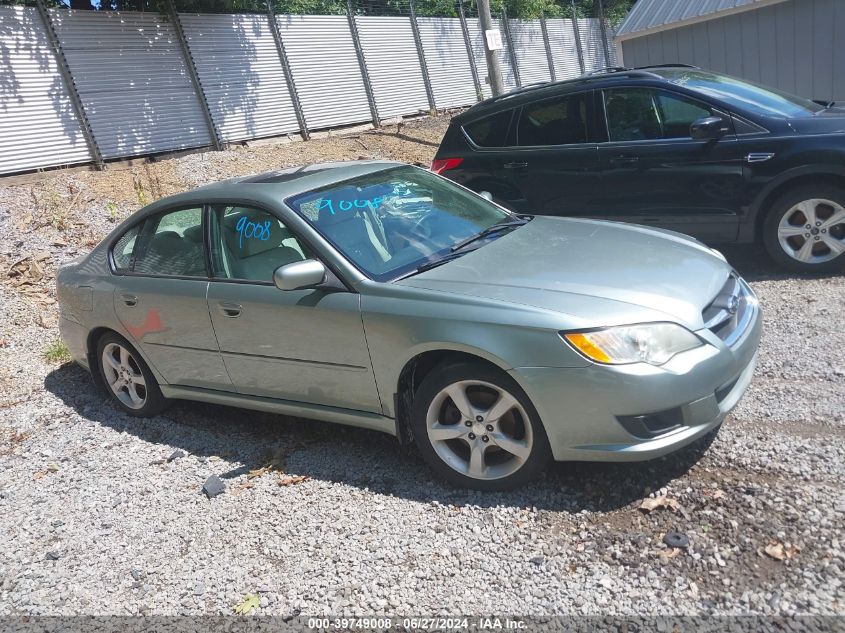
[
  {"x": 127, "y": 379},
  {"x": 448, "y": 444},
  {"x": 787, "y": 237}
]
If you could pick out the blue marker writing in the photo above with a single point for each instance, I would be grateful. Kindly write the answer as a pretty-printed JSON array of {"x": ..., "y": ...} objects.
[{"x": 252, "y": 230}]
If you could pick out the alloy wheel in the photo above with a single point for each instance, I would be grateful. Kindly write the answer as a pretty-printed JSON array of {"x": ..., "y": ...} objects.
[
  {"x": 813, "y": 231},
  {"x": 124, "y": 376},
  {"x": 479, "y": 429}
]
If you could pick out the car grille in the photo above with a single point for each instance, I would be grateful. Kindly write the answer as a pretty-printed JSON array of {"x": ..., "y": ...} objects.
[{"x": 732, "y": 311}]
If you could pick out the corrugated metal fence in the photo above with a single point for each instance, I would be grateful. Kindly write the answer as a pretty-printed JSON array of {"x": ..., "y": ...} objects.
[{"x": 88, "y": 86}]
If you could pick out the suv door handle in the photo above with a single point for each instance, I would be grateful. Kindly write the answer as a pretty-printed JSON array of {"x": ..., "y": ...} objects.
[
  {"x": 130, "y": 300},
  {"x": 516, "y": 165},
  {"x": 625, "y": 159},
  {"x": 231, "y": 310}
]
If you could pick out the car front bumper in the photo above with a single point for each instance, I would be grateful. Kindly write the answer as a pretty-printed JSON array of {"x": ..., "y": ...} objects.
[{"x": 587, "y": 411}]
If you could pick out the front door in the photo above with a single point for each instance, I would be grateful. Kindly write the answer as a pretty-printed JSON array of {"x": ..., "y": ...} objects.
[
  {"x": 300, "y": 345},
  {"x": 653, "y": 172},
  {"x": 160, "y": 298}
]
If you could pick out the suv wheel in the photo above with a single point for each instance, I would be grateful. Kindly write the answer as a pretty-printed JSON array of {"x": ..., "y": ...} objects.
[
  {"x": 805, "y": 229},
  {"x": 476, "y": 428}
]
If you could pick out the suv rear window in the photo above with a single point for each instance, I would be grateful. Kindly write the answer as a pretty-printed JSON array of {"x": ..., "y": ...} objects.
[{"x": 491, "y": 131}]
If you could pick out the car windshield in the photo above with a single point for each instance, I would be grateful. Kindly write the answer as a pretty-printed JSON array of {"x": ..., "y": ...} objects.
[
  {"x": 741, "y": 93},
  {"x": 393, "y": 222}
]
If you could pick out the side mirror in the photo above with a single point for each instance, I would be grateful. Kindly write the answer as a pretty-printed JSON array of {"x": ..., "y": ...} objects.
[
  {"x": 486, "y": 195},
  {"x": 298, "y": 275},
  {"x": 708, "y": 128}
]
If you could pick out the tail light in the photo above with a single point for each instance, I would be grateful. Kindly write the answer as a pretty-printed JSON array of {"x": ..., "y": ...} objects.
[{"x": 439, "y": 165}]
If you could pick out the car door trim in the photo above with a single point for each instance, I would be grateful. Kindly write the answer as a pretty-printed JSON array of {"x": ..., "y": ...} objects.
[
  {"x": 299, "y": 361},
  {"x": 325, "y": 413}
]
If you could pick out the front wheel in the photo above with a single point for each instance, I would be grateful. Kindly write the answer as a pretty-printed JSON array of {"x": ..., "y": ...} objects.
[
  {"x": 476, "y": 428},
  {"x": 805, "y": 229}
]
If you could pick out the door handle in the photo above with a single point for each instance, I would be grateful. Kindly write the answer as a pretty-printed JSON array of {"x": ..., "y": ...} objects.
[
  {"x": 624, "y": 159},
  {"x": 516, "y": 165},
  {"x": 231, "y": 310},
  {"x": 130, "y": 300}
]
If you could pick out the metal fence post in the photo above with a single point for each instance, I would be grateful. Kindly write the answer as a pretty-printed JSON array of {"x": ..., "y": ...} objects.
[
  {"x": 603, "y": 29},
  {"x": 421, "y": 54},
  {"x": 578, "y": 39},
  {"x": 288, "y": 73},
  {"x": 192, "y": 72},
  {"x": 70, "y": 85},
  {"x": 547, "y": 43},
  {"x": 479, "y": 93},
  {"x": 511, "y": 47},
  {"x": 362, "y": 63}
]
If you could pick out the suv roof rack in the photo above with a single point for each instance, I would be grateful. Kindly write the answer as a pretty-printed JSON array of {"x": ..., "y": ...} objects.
[
  {"x": 603, "y": 73},
  {"x": 607, "y": 70},
  {"x": 519, "y": 90},
  {"x": 667, "y": 66}
]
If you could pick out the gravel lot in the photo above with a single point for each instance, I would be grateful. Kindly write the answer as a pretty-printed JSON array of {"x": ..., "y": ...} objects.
[{"x": 101, "y": 513}]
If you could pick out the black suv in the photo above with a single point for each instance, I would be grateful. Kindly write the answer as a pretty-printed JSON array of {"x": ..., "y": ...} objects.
[{"x": 713, "y": 156}]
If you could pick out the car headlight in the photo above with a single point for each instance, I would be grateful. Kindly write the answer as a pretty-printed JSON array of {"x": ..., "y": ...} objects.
[{"x": 653, "y": 343}]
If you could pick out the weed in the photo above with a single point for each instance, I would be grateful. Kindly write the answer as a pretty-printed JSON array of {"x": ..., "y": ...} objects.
[
  {"x": 111, "y": 207},
  {"x": 140, "y": 194},
  {"x": 57, "y": 352}
]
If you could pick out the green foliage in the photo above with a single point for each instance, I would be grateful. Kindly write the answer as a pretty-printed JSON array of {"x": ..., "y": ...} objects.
[
  {"x": 249, "y": 602},
  {"x": 57, "y": 352},
  {"x": 614, "y": 10}
]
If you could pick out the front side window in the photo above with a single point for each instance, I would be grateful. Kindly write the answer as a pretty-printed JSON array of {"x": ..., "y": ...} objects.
[
  {"x": 249, "y": 244},
  {"x": 391, "y": 222},
  {"x": 561, "y": 121},
  {"x": 491, "y": 131},
  {"x": 171, "y": 244},
  {"x": 636, "y": 114}
]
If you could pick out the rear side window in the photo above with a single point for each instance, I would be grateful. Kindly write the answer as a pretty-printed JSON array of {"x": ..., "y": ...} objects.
[
  {"x": 561, "y": 121},
  {"x": 491, "y": 131},
  {"x": 122, "y": 250},
  {"x": 171, "y": 244}
]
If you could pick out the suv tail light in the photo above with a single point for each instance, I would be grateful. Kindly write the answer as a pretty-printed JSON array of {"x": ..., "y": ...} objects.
[{"x": 439, "y": 165}]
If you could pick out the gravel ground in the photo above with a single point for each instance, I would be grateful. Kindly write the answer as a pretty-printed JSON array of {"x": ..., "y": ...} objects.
[{"x": 101, "y": 513}]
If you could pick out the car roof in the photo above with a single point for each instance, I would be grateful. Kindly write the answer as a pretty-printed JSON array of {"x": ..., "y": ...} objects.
[
  {"x": 275, "y": 185},
  {"x": 532, "y": 92}
]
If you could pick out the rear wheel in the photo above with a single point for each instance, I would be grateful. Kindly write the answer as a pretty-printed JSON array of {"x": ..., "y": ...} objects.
[
  {"x": 127, "y": 377},
  {"x": 476, "y": 428},
  {"x": 805, "y": 229}
]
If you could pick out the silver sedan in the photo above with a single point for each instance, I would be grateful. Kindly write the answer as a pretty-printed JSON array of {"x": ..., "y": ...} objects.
[{"x": 383, "y": 296}]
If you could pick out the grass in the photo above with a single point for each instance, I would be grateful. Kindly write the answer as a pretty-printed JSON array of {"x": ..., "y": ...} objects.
[{"x": 57, "y": 352}]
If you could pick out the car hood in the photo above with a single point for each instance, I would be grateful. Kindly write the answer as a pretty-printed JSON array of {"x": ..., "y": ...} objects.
[
  {"x": 603, "y": 273},
  {"x": 831, "y": 121}
]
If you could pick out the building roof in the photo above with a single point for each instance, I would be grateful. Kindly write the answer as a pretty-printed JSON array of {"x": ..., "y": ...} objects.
[{"x": 651, "y": 16}]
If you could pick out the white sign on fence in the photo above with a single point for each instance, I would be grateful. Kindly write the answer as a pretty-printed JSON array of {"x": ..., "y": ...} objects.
[{"x": 494, "y": 39}]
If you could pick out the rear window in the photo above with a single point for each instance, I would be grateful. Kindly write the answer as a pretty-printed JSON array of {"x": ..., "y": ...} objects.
[
  {"x": 491, "y": 131},
  {"x": 122, "y": 250}
]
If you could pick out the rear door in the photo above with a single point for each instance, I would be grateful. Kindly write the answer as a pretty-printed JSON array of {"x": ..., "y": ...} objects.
[
  {"x": 654, "y": 173},
  {"x": 552, "y": 161},
  {"x": 160, "y": 298}
]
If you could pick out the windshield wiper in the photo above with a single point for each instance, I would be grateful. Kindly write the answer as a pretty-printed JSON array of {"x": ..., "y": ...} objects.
[
  {"x": 432, "y": 264},
  {"x": 499, "y": 226}
]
